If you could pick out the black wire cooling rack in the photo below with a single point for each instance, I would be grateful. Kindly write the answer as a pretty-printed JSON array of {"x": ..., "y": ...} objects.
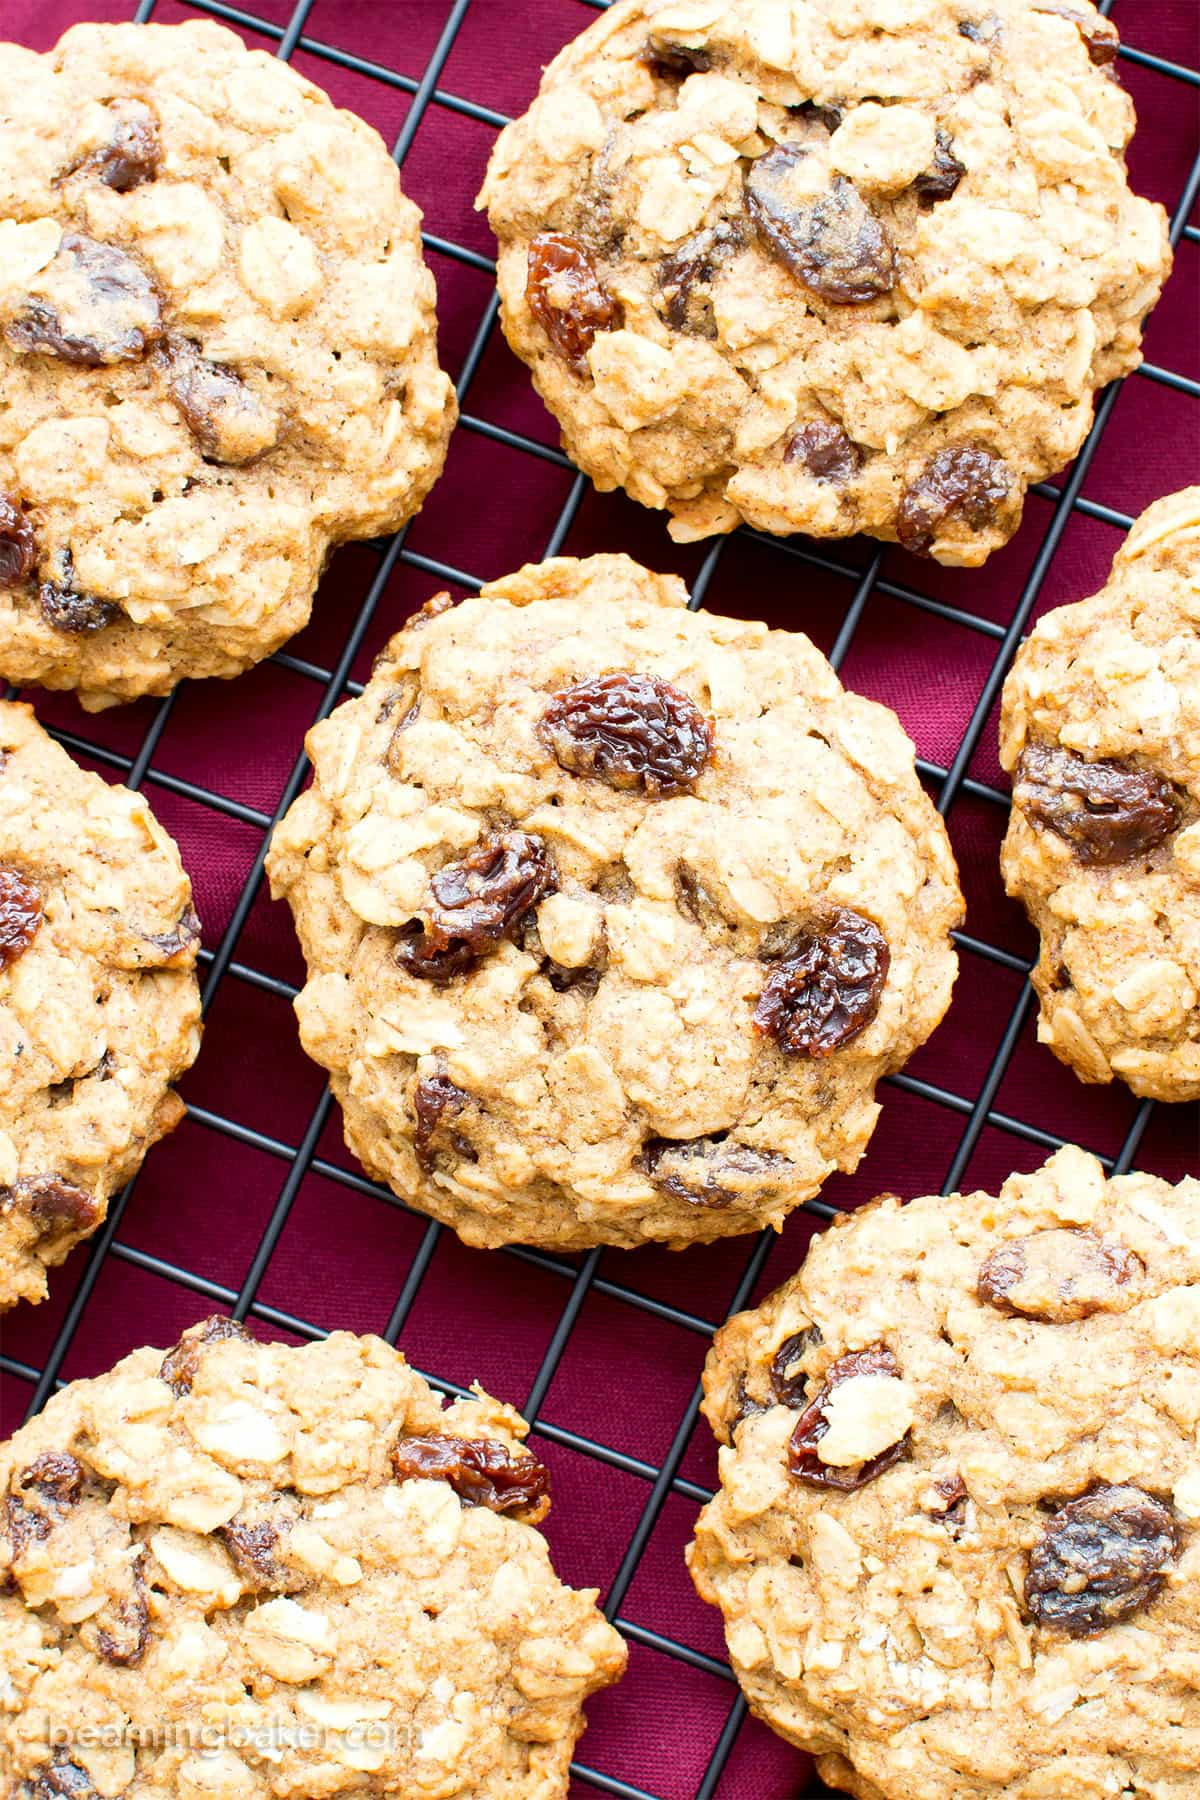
[{"x": 1180, "y": 85}]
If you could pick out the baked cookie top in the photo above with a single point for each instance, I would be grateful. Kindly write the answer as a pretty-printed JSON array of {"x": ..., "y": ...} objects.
[
  {"x": 836, "y": 266},
  {"x": 261, "y": 1572},
  {"x": 955, "y": 1541},
  {"x": 99, "y": 1005},
  {"x": 217, "y": 355},
  {"x": 614, "y": 913},
  {"x": 1100, "y": 726}
]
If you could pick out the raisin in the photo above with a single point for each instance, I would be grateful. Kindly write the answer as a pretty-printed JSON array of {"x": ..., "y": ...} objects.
[
  {"x": 958, "y": 483},
  {"x": 980, "y": 31},
  {"x": 254, "y": 1545},
  {"x": 1100, "y": 36},
  {"x": 225, "y": 416},
  {"x": 478, "y": 902},
  {"x": 567, "y": 297},
  {"x": 98, "y": 307},
  {"x": 58, "y": 1477},
  {"x": 944, "y": 173},
  {"x": 61, "y": 1780},
  {"x": 52, "y": 1202},
  {"x": 65, "y": 609},
  {"x": 811, "y": 1426},
  {"x": 712, "y": 1171},
  {"x": 1101, "y": 1560},
  {"x": 23, "y": 1526},
  {"x": 1109, "y": 812},
  {"x": 745, "y": 1405},
  {"x": 685, "y": 278},
  {"x": 826, "y": 987},
  {"x": 125, "y": 1632},
  {"x": 674, "y": 62},
  {"x": 133, "y": 154},
  {"x": 176, "y": 946},
  {"x": 950, "y": 1492},
  {"x": 18, "y": 546},
  {"x": 825, "y": 451},
  {"x": 830, "y": 117},
  {"x": 437, "y": 1102},
  {"x": 1059, "y": 1275},
  {"x": 20, "y": 915},
  {"x": 833, "y": 243},
  {"x": 788, "y": 1380},
  {"x": 631, "y": 731},
  {"x": 181, "y": 1364},
  {"x": 481, "y": 1471}
]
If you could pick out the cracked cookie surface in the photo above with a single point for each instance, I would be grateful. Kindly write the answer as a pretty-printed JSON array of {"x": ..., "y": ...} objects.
[
  {"x": 955, "y": 1541},
  {"x": 614, "y": 913},
  {"x": 217, "y": 355},
  {"x": 835, "y": 266},
  {"x": 1100, "y": 728},
  {"x": 246, "y": 1571},
  {"x": 99, "y": 1004}
]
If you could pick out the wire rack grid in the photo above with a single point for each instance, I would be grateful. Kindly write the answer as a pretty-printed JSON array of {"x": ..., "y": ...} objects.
[{"x": 726, "y": 1757}]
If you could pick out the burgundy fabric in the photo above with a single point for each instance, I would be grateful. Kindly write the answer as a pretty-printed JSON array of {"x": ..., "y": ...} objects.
[{"x": 626, "y": 1377}]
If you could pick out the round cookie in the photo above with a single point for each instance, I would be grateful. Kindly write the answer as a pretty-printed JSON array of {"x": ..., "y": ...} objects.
[
  {"x": 836, "y": 266},
  {"x": 99, "y": 1004},
  {"x": 1100, "y": 727},
  {"x": 247, "y": 1571},
  {"x": 614, "y": 913},
  {"x": 217, "y": 355},
  {"x": 955, "y": 1541}
]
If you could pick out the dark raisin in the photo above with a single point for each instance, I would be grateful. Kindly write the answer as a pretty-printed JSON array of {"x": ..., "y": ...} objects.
[
  {"x": 833, "y": 243},
  {"x": 788, "y": 1380},
  {"x": 65, "y": 609},
  {"x": 1109, "y": 812},
  {"x": 1101, "y": 1560},
  {"x": 685, "y": 278},
  {"x": 477, "y": 903},
  {"x": 23, "y": 1526},
  {"x": 949, "y": 1493},
  {"x": 18, "y": 546},
  {"x": 437, "y": 1103},
  {"x": 674, "y": 62},
  {"x": 745, "y": 1406},
  {"x": 631, "y": 731},
  {"x": 1100, "y": 36},
  {"x": 826, "y": 987},
  {"x": 95, "y": 306},
  {"x": 944, "y": 173},
  {"x": 181, "y": 1364},
  {"x": 712, "y": 1171},
  {"x": 254, "y": 1545},
  {"x": 123, "y": 1630},
  {"x": 176, "y": 946},
  {"x": 958, "y": 483},
  {"x": 1060, "y": 1275},
  {"x": 567, "y": 297},
  {"x": 825, "y": 451},
  {"x": 811, "y": 1426},
  {"x": 58, "y": 1477},
  {"x": 225, "y": 416},
  {"x": 52, "y": 1202},
  {"x": 20, "y": 915},
  {"x": 60, "y": 1780},
  {"x": 133, "y": 154},
  {"x": 481, "y": 1472},
  {"x": 830, "y": 117},
  {"x": 980, "y": 31}
]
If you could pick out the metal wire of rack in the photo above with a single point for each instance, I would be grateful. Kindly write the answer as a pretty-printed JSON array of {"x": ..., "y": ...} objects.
[{"x": 663, "y": 1478}]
